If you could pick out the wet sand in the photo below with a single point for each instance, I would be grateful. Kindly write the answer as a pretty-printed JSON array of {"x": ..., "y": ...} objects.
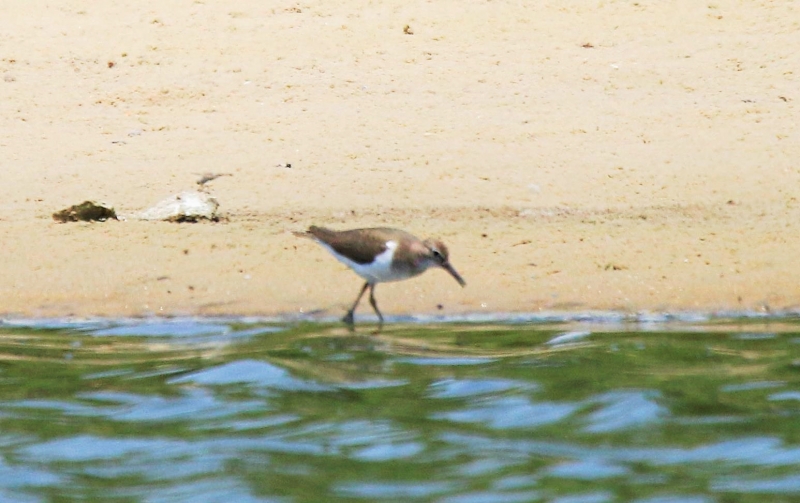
[{"x": 578, "y": 156}]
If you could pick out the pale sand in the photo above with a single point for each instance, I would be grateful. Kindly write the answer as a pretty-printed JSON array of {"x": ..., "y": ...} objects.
[{"x": 657, "y": 168}]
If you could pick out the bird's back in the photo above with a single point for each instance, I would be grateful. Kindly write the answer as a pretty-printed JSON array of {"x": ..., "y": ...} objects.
[{"x": 359, "y": 245}]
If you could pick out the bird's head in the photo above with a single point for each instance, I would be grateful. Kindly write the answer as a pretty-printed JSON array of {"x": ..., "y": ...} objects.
[{"x": 440, "y": 257}]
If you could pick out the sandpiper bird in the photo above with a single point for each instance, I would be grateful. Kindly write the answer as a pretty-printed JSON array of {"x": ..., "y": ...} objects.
[{"x": 381, "y": 254}]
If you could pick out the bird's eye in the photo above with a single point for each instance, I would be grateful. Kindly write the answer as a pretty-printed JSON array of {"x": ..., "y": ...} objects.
[{"x": 437, "y": 254}]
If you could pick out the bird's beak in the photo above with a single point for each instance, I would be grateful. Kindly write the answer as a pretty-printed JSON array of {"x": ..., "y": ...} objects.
[{"x": 447, "y": 267}]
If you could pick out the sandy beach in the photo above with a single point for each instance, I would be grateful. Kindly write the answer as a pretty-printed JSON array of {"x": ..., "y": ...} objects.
[{"x": 573, "y": 155}]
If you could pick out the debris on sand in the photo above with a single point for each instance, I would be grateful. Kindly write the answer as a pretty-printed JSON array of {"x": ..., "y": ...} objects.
[
  {"x": 188, "y": 206},
  {"x": 87, "y": 211},
  {"x": 209, "y": 176}
]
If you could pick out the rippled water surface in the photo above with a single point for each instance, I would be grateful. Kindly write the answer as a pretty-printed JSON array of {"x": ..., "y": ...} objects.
[{"x": 567, "y": 412}]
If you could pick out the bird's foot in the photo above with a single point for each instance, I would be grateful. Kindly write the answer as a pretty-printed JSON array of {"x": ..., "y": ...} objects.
[
  {"x": 348, "y": 318},
  {"x": 379, "y": 328}
]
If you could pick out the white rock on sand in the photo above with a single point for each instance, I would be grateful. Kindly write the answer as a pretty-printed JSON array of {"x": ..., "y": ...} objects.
[{"x": 188, "y": 206}]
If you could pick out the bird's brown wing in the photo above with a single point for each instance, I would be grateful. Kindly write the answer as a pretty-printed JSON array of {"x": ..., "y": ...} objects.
[{"x": 359, "y": 245}]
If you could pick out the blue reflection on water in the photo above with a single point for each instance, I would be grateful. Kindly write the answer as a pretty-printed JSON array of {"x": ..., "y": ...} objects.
[
  {"x": 511, "y": 412},
  {"x": 94, "y": 448},
  {"x": 377, "y": 490},
  {"x": 625, "y": 409},
  {"x": 251, "y": 372},
  {"x": 588, "y": 469},
  {"x": 751, "y": 451},
  {"x": 177, "y": 328},
  {"x": 452, "y": 388},
  {"x": 789, "y": 484}
]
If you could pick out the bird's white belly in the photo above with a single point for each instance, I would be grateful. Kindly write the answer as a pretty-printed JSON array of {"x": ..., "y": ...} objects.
[{"x": 379, "y": 270}]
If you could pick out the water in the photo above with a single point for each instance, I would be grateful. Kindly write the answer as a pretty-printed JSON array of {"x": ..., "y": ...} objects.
[{"x": 589, "y": 411}]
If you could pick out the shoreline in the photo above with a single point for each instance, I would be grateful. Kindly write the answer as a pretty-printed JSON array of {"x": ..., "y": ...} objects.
[{"x": 601, "y": 318}]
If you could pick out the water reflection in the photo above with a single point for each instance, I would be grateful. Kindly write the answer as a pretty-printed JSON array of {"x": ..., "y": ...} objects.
[
  {"x": 211, "y": 410},
  {"x": 623, "y": 410},
  {"x": 510, "y": 412}
]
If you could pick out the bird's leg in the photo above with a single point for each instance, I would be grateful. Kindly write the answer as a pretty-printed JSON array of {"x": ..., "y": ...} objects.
[
  {"x": 375, "y": 305},
  {"x": 348, "y": 318}
]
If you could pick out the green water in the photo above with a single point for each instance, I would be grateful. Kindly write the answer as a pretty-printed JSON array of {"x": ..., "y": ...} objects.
[{"x": 579, "y": 412}]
